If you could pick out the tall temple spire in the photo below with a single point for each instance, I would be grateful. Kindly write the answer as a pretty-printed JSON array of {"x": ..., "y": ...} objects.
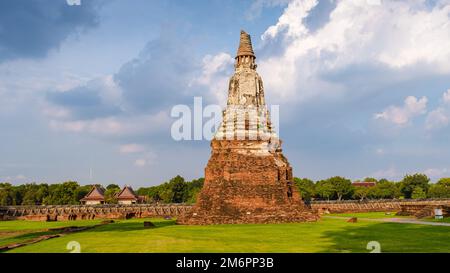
[
  {"x": 245, "y": 57},
  {"x": 245, "y": 45}
]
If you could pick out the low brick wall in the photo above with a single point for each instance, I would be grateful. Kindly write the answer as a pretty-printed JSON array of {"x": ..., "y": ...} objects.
[
  {"x": 373, "y": 205},
  {"x": 85, "y": 212}
]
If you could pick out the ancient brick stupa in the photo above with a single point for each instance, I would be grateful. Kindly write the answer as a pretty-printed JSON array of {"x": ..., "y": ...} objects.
[{"x": 247, "y": 179}]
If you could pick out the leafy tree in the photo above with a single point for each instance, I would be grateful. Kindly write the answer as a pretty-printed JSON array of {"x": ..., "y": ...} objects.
[
  {"x": 361, "y": 193},
  {"x": 370, "y": 179},
  {"x": 306, "y": 187},
  {"x": 384, "y": 189},
  {"x": 441, "y": 189},
  {"x": 111, "y": 195},
  {"x": 177, "y": 189},
  {"x": 444, "y": 182},
  {"x": 324, "y": 189},
  {"x": 411, "y": 182},
  {"x": 418, "y": 193},
  {"x": 193, "y": 188},
  {"x": 342, "y": 187},
  {"x": 112, "y": 187}
]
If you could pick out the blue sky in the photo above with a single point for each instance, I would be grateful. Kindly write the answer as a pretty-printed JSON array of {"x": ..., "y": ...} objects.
[{"x": 86, "y": 90}]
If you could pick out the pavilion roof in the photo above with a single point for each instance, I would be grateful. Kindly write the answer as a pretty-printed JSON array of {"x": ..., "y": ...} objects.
[{"x": 96, "y": 193}]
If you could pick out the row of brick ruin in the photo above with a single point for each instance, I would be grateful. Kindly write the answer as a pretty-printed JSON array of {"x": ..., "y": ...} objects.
[
  {"x": 85, "y": 212},
  {"x": 80, "y": 212}
]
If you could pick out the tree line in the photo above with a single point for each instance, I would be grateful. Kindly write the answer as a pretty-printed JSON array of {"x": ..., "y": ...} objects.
[
  {"x": 178, "y": 190},
  {"x": 416, "y": 186}
]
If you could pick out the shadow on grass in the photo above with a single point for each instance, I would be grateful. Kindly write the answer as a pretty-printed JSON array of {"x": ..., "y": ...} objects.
[
  {"x": 24, "y": 237},
  {"x": 132, "y": 225},
  {"x": 392, "y": 237}
]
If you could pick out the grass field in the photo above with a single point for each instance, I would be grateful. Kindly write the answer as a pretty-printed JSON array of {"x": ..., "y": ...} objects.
[
  {"x": 327, "y": 235},
  {"x": 19, "y": 231},
  {"x": 370, "y": 215}
]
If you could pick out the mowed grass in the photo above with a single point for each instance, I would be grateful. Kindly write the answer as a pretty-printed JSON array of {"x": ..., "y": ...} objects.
[
  {"x": 20, "y": 231},
  {"x": 369, "y": 215},
  {"x": 327, "y": 235}
]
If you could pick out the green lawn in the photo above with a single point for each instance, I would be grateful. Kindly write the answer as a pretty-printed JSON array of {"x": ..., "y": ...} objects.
[
  {"x": 19, "y": 231},
  {"x": 371, "y": 215},
  {"x": 327, "y": 235}
]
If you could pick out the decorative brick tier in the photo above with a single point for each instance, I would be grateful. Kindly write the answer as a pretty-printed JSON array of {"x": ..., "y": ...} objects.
[{"x": 246, "y": 183}]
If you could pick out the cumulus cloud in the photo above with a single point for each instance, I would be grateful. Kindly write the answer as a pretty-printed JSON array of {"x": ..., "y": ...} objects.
[
  {"x": 214, "y": 75},
  {"x": 258, "y": 5},
  {"x": 148, "y": 159},
  {"x": 159, "y": 76},
  {"x": 29, "y": 29},
  {"x": 116, "y": 126},
  {"x": 446, "y": 97},
  {"x": 100, "y": 97},
  {"x": 436, "y": 172},
  {"x": 392, "y": 36},
  {"x": 389, "y": 173},
  {"x": 440, "y": 117},
  {"x": 131, "y": 148},
  {"x": 402, "y": 115},
  {"x": 437, "y": 118}
]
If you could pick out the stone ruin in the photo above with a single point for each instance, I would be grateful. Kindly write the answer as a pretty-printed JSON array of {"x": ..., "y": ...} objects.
[{"x": 247, "y": 178}]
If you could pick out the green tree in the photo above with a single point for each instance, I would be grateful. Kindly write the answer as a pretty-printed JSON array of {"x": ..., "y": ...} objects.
[
  {"x": 113, "y": 187},
  {"x": 361, "y": 193},
  {"x": 384, "y": 189},
  {"x": 411, "y": 182},
  {"x": 306, "y": 187},
  {"x": 5, "y": 194},
  {"x": 441, "y": 189},
  {"x": 177, "y": 187},
  {"x": 324, "y": 189},
  {"x": 81, "y": 192},
  {"x": 193, "y": 188},
  {"x": 370, "y": 179},
  {"x": 418, "y": 193},
  {"x": 342, "y": 187}
]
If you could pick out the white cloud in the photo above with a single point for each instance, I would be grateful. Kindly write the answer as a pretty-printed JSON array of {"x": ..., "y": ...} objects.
[
  {"x": 390, "y": 173},
  {"x": 214, "y": 75},
  {"x": 436, "y": 119},
  {"x": 140, "y": 162},
  {"x": 380, "y": 151},
  {"x": 446, "y": 97},
  {"x": 115, "y": 126},
  {"x": 402, "y": 115},
  {"x": 147, "y": 160},
  {"x": 16, "y": 178},
  {"x": 436, "y": 172},
  {"x": 258, "y": 5},
  {"x": 393, "y": 35},
  {"x": 440, "y": 117},
  {"x": 131, "y": 148}
]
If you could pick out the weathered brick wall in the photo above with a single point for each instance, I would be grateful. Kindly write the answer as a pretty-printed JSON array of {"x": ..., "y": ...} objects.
[
  {"x": 82, "y": 212},
  {"x": 373, "y": 205}
]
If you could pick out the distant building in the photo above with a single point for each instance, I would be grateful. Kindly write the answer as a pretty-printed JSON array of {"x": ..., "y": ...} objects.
[
  {"x": 127, "y": 197},
  {"x": 364, "y": 184},
  {"x": 95, "y": 197}
]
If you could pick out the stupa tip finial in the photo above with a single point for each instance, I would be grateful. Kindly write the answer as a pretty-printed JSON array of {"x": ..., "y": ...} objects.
[{"x": 245, "y": 45}]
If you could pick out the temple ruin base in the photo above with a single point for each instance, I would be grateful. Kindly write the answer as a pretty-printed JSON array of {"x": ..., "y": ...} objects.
[{"x": 245, "y": 183}]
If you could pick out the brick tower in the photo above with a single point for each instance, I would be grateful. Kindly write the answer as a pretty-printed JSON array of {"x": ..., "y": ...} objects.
[{"x": 247, "y": 178}]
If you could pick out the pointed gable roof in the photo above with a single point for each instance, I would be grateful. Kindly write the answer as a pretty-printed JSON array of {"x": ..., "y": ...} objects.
[
  {"x": 127, "y": 193},
  {"x": 96, "y": 193}
]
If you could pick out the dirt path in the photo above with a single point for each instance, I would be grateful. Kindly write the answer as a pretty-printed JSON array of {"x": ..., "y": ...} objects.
[{"x": 393, "y": 220}]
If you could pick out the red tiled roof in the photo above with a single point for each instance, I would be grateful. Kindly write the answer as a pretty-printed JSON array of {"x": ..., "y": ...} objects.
[
  {"x": 364, "y": 184},
  {"x": 127, "y": 193},
  {"x": 96, "y": 193}
]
